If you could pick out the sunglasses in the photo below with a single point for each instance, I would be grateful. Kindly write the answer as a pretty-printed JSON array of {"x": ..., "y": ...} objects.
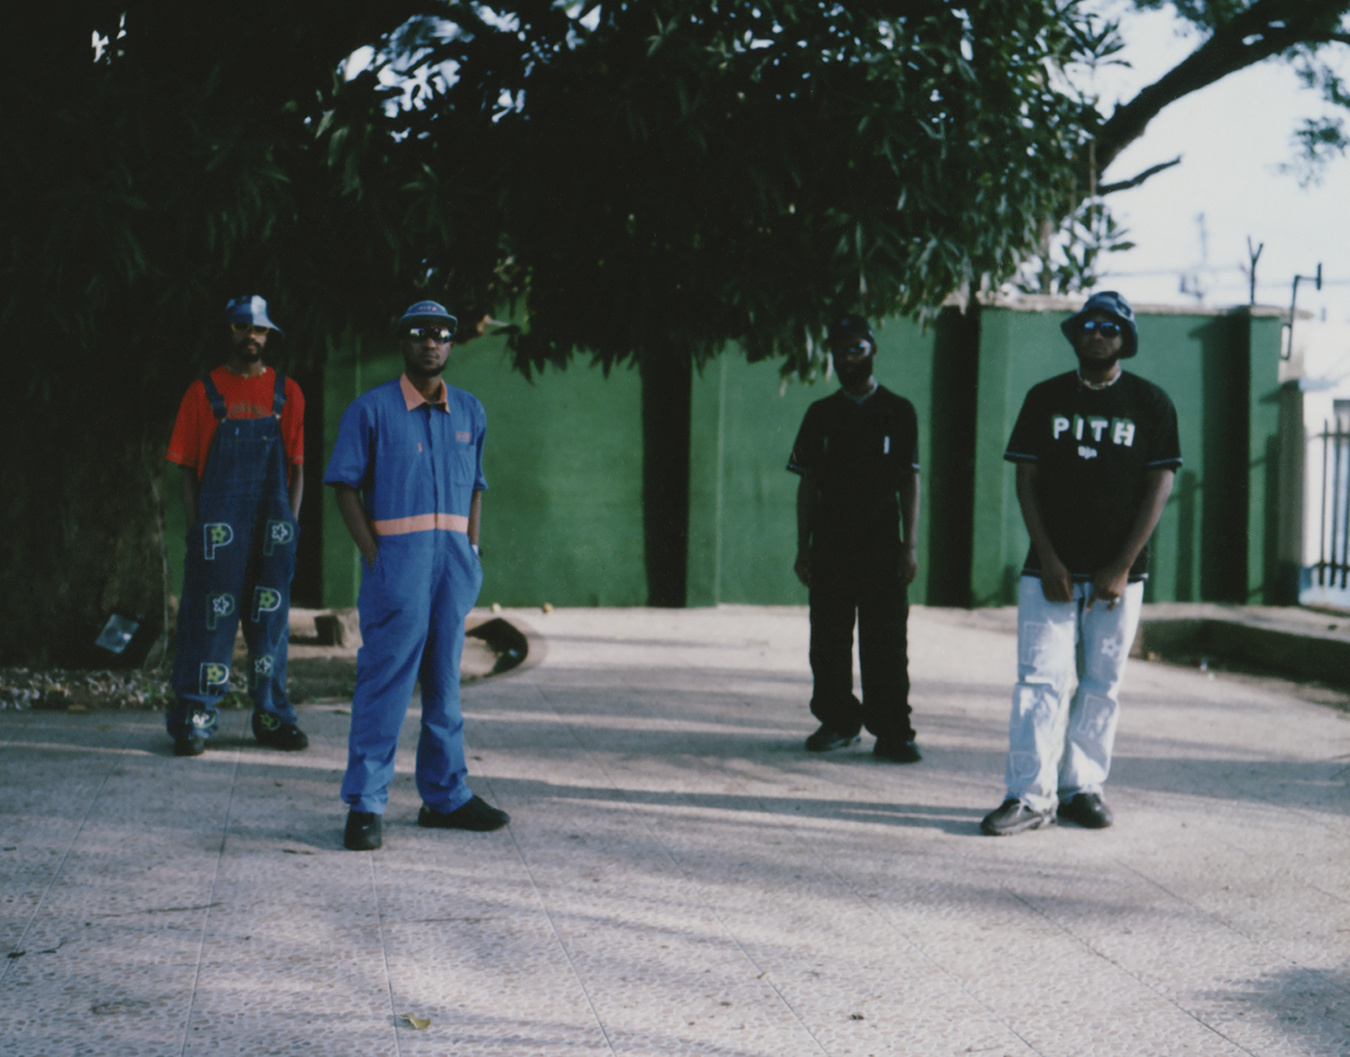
[
  {"x": 855, "y": 348},
  {"x": 1105, "y": 328},
  {"x": 437, "y": 334},
  {"x": 249, "y": 328}
]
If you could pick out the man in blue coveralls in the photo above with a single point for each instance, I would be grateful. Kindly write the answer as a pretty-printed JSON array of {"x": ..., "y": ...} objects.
[
  {"x": 414, "y": 448},
  {"x": 239, "y": 440}
]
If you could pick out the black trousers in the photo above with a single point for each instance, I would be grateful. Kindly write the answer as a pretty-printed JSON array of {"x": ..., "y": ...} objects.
[{"x": 868, "y": 588}]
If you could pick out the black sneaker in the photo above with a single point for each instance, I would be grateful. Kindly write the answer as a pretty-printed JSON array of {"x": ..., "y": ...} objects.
[
  {"x": 827, "y": 739},
  {"x": 896, "y": 751},
  {"x": 1013, "y": 816},
  {"x": 477, "y": 815},
  {"x": 1087, "y": 810},
  {"x": 362, "y": 832},
  {"x": 272, "y": 732},
  {"x": 189, "y": 743}
]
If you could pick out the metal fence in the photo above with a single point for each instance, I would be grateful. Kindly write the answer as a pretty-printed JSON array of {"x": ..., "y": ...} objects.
[{"x": 1333, "y": 565}]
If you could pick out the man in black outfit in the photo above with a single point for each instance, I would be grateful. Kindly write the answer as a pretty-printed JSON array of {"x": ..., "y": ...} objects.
[{"x": 857, "y": 453}]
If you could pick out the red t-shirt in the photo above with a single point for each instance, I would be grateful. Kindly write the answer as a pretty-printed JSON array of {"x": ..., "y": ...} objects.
[{"x": 245, "y": 397}]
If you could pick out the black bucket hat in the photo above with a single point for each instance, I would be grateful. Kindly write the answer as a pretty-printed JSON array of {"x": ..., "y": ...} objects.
[{"x": 1115, "y": 306}]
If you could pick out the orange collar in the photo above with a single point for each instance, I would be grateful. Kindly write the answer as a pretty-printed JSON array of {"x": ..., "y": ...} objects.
[{"x": 412, "y": 399}]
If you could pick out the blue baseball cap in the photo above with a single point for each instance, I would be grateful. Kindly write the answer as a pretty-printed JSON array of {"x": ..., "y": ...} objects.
[
  {"x": 250, "y": 310},
  {"x": 428, "y": 312},
  {"x": 1115, "y": 306}
]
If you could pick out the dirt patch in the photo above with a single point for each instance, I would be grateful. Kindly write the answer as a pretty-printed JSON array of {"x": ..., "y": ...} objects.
[{"x": 314, "y": 674}]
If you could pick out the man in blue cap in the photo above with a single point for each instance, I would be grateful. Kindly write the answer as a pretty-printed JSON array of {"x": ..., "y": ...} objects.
[
  {"x": 1096, "y": 450},
  {"x": 239, "y": 440},
  {"x": 407, "y": 470},
  {"x": 857, "y": 454}
]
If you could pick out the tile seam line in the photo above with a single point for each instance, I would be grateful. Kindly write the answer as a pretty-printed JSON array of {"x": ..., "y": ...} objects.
[
  {"x": 557, "y": 935},
  {"x": 1289, "y": 872},
  {"x": 645, "y": 823},
  {"x": 384, "y": 954},
  {"x": 1136, "y": 977},
  {"x": 210, "y": 902},
  {"x": 794, "y": 833},
  {"x": 553, "y": 927},
  {"x": 1223, "y": 923},
  {"x": 65, "y": 856}
]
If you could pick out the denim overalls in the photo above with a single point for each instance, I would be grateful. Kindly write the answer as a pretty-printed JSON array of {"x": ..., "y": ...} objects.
[{"x": 240, "y": 560}]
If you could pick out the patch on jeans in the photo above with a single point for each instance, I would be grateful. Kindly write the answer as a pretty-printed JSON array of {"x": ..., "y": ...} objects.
[
  {"x": 1034, "y": 701},
  {"x": 1113, "y": 648},
  {"x": 1023, "y": 766},
  {"x": 1039, "y": 646},
  {"x": 1095, "y": 718}
]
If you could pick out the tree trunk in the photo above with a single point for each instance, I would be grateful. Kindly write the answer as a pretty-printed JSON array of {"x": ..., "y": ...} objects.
[
  {"x": 667, "y": 382},
  {"x": 83, "y": 523}
]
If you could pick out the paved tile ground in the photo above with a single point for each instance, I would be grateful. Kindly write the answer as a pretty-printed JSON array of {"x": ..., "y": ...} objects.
[{"x": 681, "y": 878}]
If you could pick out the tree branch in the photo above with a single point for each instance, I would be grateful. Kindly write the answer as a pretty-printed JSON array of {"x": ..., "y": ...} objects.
[
  {"x": 1135, "y": 181},
  {"x": 1267, "y": 28}
]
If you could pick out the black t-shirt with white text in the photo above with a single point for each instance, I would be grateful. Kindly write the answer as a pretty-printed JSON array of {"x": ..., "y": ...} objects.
[
  {"x": 858, "y": 454},
  {"x": 1094, "y": 449}
]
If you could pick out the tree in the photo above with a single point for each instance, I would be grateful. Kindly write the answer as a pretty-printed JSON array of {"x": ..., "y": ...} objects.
[
  {"x": 674, "y": 176},
  {"x": 141, "y": 190},
  {"x": 651, "y": 181},
  {"x": 1237, "y": 34}
]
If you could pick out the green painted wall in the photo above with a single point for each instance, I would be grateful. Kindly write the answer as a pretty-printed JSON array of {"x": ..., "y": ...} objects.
[
  {"x": 742, "y": 503},
  {"x": 562, "y": 520},
  {"x": 1264, "y": 584},
  {"x": 562, "y": 517}
]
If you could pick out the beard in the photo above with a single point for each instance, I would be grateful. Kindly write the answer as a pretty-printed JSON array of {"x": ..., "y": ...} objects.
[
  {"x": 853, "y": 372},
  {"x": 1097, "y": 364}
]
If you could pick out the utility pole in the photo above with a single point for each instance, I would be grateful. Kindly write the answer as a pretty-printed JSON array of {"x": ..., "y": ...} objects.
[
  {"x": 1255, "y": 255},
  {"x": 1293, "y": 305}
]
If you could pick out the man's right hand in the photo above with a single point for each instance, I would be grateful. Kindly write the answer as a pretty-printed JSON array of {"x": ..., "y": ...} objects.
[
  {"x": 1056, "y": 580},
  {"x": 802, "y": 567}
]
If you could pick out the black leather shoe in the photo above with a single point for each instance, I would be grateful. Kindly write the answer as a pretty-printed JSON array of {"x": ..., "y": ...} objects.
[
  {"x": 477, "y": 815},
  {"x": 1013, "y": 816},
  {"x": 275, "y": 734},
  {"x": 362, "y": 832},
  {"x": 897, "y": 751},
  {"x": 1087, "y": 810},
  {"x": 827, "y": 739},
  {"x": 189, "y": 744}
]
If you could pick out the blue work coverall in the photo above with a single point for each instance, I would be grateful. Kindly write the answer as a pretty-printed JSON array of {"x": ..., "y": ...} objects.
[
  {"x": 240, "y": 560},
  {"x": 417, "y": 465}
]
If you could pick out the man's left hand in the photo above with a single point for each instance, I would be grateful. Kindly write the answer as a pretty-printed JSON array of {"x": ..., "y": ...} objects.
[
  {"x": 1108, "y": 585},
  {"x": 909, "y": 563}
]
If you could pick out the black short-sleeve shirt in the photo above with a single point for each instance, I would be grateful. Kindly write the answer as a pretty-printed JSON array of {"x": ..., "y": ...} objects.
[
  {"x": 859, "y": 454},
  {"x": 1095, "y": 448}
]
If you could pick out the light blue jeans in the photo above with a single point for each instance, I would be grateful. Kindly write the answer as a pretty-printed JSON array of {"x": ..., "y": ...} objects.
[{"x": 1060, "y": 745}]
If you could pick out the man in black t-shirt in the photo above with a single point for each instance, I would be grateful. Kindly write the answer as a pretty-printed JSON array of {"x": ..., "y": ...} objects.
[
  {"x": 857, "y": 453},
  {"x": 1096, "y": 450}
]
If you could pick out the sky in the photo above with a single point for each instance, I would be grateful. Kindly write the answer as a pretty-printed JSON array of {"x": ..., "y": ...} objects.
[{"x": 1233, "y": 138}]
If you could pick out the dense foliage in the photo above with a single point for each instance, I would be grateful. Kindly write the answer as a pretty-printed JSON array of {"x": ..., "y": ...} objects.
[
  {"x": 673, "y": 175},
  {"x": 645, "y": 181}
]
